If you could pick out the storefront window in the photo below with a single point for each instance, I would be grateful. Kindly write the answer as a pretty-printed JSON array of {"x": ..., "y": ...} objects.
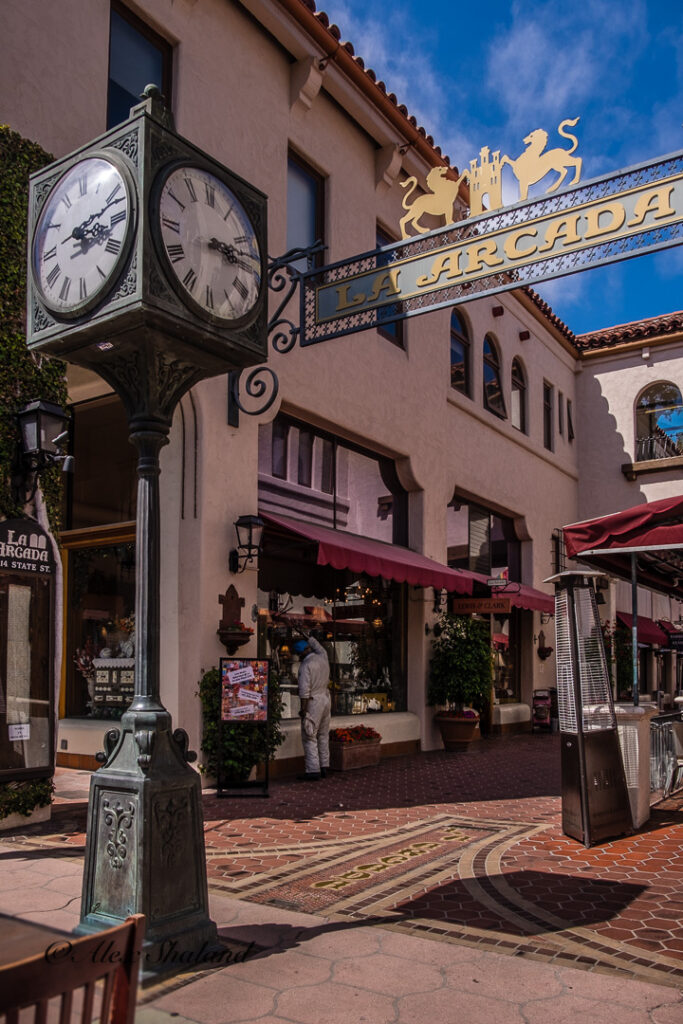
[
  {"x": 504, "y": 634},
  {"x": 486, "y": 543},
  {"x": 100, "y": 630},
  {"x": 104, "y": 489},
  {"x": 360, "y": 624}
]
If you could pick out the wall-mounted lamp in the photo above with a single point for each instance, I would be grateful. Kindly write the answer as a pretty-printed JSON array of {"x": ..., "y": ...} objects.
[
  {"x": 436, "y": 629},
  {"x": 545, "y": 618},
  {"x": 42, "y": 427},
  {"x": 249, "y": 530}
]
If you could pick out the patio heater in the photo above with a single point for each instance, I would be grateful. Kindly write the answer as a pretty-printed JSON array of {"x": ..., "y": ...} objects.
[{"x": 595, "y": 800}]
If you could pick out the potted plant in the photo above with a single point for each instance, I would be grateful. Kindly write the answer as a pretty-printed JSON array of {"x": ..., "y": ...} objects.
[
  {"x": 460, "y": 675},
  {"x": 238, "y": 746},
  {"x": 356, "y": 746}
]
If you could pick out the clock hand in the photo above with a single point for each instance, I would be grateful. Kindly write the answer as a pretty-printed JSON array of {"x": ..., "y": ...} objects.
[
  {"x": 80, "y": 231},
  {"x": 230, "y": 253}
]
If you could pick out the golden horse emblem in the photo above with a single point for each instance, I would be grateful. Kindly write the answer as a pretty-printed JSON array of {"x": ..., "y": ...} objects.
[
  {"x": 536, "y": 161},
  {"x": 485, "y": 179}
]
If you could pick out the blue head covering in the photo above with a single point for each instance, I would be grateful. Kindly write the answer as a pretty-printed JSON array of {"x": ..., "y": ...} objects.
[{"x": 300, "y": 646}]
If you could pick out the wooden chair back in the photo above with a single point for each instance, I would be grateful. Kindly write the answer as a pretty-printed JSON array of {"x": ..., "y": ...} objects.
[{"x": 111, "y": 957}]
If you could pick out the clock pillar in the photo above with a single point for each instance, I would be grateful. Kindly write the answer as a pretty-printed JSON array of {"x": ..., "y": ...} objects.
[
  {"x": 146, "y": 334},
  {"x": 145, "y": 842}
]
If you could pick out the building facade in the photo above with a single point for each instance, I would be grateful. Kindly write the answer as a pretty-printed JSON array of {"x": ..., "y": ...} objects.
[{"x": 466, "y": 436}]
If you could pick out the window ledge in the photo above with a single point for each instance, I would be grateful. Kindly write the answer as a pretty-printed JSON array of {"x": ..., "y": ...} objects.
[{"x": 632, "y": 470}]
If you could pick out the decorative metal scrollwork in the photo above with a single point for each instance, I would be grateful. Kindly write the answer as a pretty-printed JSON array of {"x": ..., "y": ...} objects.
[{"x": 283, "y": 277}]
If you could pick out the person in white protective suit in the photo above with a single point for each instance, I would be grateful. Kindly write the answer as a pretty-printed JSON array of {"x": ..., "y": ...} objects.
[{"x": 314, "y": 693}]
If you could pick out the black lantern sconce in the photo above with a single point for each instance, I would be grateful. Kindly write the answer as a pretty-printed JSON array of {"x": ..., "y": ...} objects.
[
  {"x": 249, "y": 530},
  {"x": 44, "y": 433}
]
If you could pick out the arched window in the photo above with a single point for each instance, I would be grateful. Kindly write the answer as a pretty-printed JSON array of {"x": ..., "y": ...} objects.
[
  {"x": 493, "y": 388},
  {"x": 460, "y": 355},
  {"x": 518, "y": 397},
  {"x": 659, "y": 422}
]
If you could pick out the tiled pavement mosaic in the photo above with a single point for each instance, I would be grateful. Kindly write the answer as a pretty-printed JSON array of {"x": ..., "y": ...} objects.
[{"x": 462, "y": 848}]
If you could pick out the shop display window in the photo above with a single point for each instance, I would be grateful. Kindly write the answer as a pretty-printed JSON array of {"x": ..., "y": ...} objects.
[
  {"x": 505, "y": 647},
  {"x": 361, "y": 626},
  {"x": 100, "y": 630}
]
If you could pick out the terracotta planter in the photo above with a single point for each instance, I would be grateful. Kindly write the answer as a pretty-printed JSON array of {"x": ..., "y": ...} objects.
[
  {"x": 458, "y": 733},
  {"x": 344, "y": 756}
]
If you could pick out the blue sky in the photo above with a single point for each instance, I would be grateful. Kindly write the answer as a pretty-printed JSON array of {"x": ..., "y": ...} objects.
[{"x": 476, "y": 74}]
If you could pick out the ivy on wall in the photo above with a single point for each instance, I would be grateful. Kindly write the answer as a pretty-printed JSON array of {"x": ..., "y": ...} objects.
[{"x": 23, "y": 376}]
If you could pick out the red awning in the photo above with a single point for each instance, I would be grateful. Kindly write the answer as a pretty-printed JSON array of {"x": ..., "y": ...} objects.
[
  {"x": 520, "y": 595},
  {"x": 655, "y": 524},
  {"x": 648, "y": 630},
  {"x": 652, "y": 532},
  {"x": 374, "y": 557},
  {"x": 535, "y": 600}
]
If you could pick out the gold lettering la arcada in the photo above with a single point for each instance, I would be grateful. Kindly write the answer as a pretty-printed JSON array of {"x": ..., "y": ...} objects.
[{"x": 594, "y": 223}]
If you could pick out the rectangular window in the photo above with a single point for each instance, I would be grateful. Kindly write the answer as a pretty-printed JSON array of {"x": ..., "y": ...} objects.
[
  {"x": 560, "y": 413},
  {"x": 327, "y": 471},
  {"x": 305, "y": 471},
  {"x": 104, "y": 490},
  {"x": 305, "y": 208},
  {"x": 391, "y": 331},
  {"x": 137, "y": 57},
  {"x": 570, "y": 422},
  {"x": 279, "y": 449},
  {"x": 548, "y": 416}
]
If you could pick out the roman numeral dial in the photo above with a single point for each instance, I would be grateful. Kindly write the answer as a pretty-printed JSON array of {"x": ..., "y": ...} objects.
[
  {"x": 83, "y": 236},
  {"x": 209, "y": 244}
]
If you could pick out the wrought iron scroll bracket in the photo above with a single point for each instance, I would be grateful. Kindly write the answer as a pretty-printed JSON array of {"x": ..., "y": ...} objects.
[{"x": 285, "y": 279}]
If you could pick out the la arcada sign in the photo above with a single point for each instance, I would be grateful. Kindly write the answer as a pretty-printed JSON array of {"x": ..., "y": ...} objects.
[{"x": 624, "y": 214}]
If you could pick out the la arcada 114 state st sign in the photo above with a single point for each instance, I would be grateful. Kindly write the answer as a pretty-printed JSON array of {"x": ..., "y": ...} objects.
[{"x": 624, "y": 214}]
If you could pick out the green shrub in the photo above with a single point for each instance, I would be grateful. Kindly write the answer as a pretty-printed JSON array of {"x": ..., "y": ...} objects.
[
  {"x": 460, "y": 672},
  {"x": 24, "y": 797}
]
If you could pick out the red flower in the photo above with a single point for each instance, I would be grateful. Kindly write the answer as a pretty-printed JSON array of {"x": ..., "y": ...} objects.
[{"x": 354, "y": 734}]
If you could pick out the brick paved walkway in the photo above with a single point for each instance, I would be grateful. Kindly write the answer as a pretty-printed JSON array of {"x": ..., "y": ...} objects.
[{"x": 462, "y": 848}]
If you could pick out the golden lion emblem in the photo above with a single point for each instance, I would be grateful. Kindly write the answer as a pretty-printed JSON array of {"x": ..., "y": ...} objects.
[{"x": 438, "y": 202}]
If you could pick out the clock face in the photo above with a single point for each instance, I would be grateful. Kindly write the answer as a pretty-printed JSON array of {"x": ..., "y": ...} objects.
[
  {"x": 209, "y": 243},
  {"x": 82, "y": 236}
]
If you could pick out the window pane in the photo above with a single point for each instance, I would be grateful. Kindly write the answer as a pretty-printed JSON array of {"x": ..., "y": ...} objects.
[
  {"x": 518, "y": 397},
  {"x": 493, "y": 390},
  {"x": 279, "y": 449},
  {"x": 104, "y": 489},
  {"x": 570, "y": 422},
  {"x": 460, "y": 356},
  {"x": 305, "y": 458},
  {"x": 327, "y": 472},
  {"x": 659, "y": 422},
  {"x": 392, "y": 331},
  {"x": 101, "y": 631},
  {"x": 548, "y": 416},
  {"x": 360, "y": 622},
  {"x": 136, "y": 59},
  {"x": 304, "y": 208}
]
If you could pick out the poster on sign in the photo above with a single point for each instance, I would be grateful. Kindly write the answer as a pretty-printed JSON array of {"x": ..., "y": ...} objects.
[{"x": 244, "y": 689}]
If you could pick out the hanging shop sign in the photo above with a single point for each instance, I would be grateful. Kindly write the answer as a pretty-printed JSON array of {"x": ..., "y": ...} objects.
[
  {"x": 627, "y": 213},
  {"x": 481, "y": 606},
  {"x": 25, "y": 547}
]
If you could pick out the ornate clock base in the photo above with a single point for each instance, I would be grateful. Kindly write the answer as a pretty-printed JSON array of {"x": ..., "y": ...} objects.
[{"x": 145, "y": 844}]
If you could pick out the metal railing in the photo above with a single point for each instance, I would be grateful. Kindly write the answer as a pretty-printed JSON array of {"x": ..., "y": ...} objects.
[
  {"x": 663, "y": 772},
  {"x": 656, "y": 446}
]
